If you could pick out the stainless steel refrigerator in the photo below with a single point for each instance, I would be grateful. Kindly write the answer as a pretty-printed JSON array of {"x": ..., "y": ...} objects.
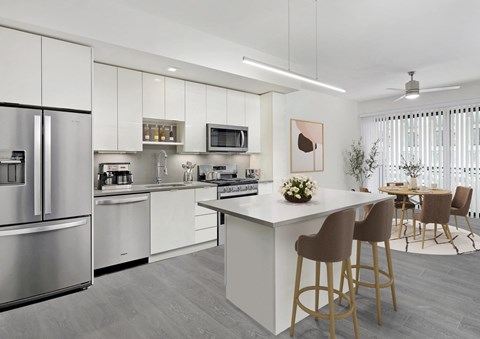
[{"x": 45, "y": 203}]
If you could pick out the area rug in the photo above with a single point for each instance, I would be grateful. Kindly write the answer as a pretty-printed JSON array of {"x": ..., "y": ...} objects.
[{"x": 463, "y": 240}]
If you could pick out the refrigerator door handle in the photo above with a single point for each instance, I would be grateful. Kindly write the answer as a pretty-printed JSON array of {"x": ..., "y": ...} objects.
[
  {"x": 37, "y": 165},
  {"x": 39, "y": 229},
  {"x": 48, "y": 164}
]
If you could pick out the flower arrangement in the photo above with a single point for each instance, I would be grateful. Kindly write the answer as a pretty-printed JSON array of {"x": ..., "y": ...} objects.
[
  {"x": 298, "y": 187},
  {"x": 411, "y": 168}
]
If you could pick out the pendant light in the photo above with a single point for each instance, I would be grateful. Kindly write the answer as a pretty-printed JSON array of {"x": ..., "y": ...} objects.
[{"x": 287, "y": 72}]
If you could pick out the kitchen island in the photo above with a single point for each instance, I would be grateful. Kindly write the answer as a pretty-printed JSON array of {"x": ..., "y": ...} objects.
[{"x": 260, "y": 257}]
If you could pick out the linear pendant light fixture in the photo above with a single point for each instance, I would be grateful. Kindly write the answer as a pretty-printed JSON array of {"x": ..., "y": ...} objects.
[{"x": 287, "y": 72}]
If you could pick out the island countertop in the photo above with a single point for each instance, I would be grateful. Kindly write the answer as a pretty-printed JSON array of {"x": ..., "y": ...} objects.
[{"x": 273, "y": 210}]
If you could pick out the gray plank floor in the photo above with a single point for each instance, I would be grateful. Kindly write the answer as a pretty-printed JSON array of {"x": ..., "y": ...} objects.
[{"x": 184, "y": 297}]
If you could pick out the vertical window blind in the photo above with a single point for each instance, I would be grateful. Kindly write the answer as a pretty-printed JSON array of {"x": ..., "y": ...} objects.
[{"x": 446, "y": 140}]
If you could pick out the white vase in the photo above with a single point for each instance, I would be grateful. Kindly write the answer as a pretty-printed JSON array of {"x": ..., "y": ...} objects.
[{"x": 413, "y": 183}]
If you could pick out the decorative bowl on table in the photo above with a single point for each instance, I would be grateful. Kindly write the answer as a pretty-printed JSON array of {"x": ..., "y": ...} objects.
[{"x": 298, "y": 188}]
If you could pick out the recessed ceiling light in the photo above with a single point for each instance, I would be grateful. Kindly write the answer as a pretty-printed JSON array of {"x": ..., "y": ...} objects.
[{"x": 171, "y": 69}]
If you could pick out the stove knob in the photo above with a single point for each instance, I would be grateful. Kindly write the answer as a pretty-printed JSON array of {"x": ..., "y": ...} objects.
[
  {"x": 250, "y": 187},
  {"x": 229, "y": 189}
]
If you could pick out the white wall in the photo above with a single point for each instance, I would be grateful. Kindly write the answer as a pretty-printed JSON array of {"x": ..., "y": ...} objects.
[
  {"x": 341, "y": 126},
  {"x": 467, "y": 91}
]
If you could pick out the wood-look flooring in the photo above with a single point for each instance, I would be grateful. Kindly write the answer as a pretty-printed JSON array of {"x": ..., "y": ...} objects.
[{"x": 184, "y": 297}]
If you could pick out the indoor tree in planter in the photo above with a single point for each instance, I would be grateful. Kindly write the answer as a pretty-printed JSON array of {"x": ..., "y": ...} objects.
[{"x": 358, "y": 165}]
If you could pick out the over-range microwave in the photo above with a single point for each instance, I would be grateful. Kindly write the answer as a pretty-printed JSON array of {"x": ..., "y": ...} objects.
[{"x": 226, "y": 138}]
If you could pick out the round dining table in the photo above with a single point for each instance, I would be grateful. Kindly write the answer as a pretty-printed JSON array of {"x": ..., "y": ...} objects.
[{"x": 405, "y": 192}]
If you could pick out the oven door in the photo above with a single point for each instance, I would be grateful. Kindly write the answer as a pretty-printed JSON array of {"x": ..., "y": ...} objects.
[
  {"x": 221, "y": 219},
  {"x": 224, "y": 138}
]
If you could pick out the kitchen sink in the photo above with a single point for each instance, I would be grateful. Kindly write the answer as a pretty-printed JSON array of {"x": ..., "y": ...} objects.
[{"x": 165, "y": 185}]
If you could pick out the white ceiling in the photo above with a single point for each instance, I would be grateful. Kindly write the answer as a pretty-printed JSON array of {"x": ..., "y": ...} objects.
[{"x": 363, "y": 46}]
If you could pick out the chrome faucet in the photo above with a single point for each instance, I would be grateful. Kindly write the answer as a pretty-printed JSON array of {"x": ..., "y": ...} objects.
[{"x": 159, "y": 165}]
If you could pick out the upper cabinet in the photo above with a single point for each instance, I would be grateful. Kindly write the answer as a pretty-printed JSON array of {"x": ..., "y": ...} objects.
[
  {"x": 42, "y": 71},
  {"x": 66, "y": 75},
  {"x": 195, "y": 117},
  {"x": 235, "y": 108},
  {"x": 216, "y": 105},
  {"x": 252, "y": 121},
  {"x": 117, "y": 109},
  {"x": 174, "y": 99},
  {"x": 129, "y": 110},
  {"x": 105, "y": 127},
  {"x": 20, "y": 67},
  {"x": 153, "y": 96}
]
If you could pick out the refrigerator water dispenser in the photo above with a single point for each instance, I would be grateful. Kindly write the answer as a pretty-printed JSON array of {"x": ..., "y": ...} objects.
[{"x": 12, "y": 167}]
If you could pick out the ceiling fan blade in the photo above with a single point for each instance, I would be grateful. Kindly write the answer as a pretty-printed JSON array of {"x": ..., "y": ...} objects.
[
  {"x": 400, "y": 98},
  {"x": 438, "y": 89},
  {"x": 396, "y": 89}
]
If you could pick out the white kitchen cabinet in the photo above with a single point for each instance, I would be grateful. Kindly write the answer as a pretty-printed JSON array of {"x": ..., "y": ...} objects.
[
  {"x": 129, "y": 110},
  {"x": 265, "y": 188},
  {"x": 153, "y": 96},
  {"x": 252, "y": 120},
  {"x": 20, "y": 67},
  {"x": 104, "y": 111},
  {"x": 195, "y": 117},
  {"x": 205, "y": 219},
  {"x": 174, "y": 99},
  {"x": 66, "y": 75},
  {"x": 216, "y": 105},
  {"x": 235, "y": 108},
  {"x": 172, "y": 220}
]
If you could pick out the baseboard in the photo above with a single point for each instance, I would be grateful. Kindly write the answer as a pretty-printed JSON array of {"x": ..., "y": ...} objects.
[{"x": 182, "y": 251}]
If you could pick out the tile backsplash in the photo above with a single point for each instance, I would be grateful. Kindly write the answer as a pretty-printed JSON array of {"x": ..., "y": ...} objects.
[{"x": 143, "y": 164}]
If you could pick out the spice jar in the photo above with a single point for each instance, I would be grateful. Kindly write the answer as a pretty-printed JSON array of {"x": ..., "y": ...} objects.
[
  {"x": 170, "y": 136},
  {"x": 155, "y": 133},
  {"x": 162, "y": 134},
  {"x": 146, "y": 132}
]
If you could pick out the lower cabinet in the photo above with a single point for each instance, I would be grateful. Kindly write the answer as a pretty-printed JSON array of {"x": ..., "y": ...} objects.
[
  {"x": 205, "y": 219},
  {"x": 172, "y": 220},
  {"x": 265, "y": 188}
]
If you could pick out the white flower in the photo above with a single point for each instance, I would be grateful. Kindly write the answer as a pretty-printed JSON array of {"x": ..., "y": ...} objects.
[
  {"x": 289, "y": 193},
  {"x": 308, "y": 192},
  {"x": 301, "y": 185},
  {"x": 298, "y": 196}
]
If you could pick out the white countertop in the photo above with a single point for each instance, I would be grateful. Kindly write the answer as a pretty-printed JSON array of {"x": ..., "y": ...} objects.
[{"x": 273, "y": 210}]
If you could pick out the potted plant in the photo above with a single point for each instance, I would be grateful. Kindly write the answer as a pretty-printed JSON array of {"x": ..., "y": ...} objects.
[
  {"x": 360, "y": 166},
  {"x": 298, "y": 188},
  {"x": 412, "y": 169}
]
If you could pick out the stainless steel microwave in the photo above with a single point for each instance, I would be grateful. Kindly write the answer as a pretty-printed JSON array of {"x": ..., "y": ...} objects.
[{"x": 226, "y": 138}]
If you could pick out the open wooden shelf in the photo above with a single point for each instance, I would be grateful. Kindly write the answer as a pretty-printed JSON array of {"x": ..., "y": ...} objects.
[{"x": 164, "y": 143}]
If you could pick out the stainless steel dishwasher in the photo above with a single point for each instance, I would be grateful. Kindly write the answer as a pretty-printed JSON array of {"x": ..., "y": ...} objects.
[{"x": 121, "y": 229}]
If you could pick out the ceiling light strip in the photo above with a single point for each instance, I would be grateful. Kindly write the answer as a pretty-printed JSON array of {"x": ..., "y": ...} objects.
[{"x": 290, "y": 74}]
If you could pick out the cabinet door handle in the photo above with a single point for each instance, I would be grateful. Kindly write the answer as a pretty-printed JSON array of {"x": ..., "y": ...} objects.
[{"x": 120, "y": 201}]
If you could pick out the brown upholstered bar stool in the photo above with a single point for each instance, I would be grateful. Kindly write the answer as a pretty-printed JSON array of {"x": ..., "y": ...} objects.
[
  {"x": 461, "y": 204},
  {"x": 333, "y": 243},
  {"x": 376, "y": 227},
  {"x": 435, "y": 210}
]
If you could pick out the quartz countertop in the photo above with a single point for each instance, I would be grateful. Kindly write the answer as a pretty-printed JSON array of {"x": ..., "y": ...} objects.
[
  {"x": 166, "y": 186},
  {"x": 273, "y": 210}
]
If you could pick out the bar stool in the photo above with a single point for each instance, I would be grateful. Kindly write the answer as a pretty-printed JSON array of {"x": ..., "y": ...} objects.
[
  {"x": 333, "y": 243},
  {"x": 376, "y": 227}
]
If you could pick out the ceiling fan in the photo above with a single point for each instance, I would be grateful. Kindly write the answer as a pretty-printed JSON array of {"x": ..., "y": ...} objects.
[{"x": 412, "y": 89}]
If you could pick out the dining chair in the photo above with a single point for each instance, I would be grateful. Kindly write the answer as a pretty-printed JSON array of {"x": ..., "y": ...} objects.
[
  {"x": 435, "y": 210},
  {"x": 461, "y": 204},
  {"x": 398, "y": 205}
]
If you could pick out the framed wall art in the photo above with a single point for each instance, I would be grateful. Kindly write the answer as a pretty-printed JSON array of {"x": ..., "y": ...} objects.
[{"x": 306, "y": 146}]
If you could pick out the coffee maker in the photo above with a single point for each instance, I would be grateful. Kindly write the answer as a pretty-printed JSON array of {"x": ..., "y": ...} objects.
[{"x": 114, "y": 175}]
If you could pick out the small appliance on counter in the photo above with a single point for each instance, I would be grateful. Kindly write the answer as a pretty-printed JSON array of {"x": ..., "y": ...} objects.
[
  {"x": 114, "y": 175},
  {"x": 253, "y": 173},
  {"x": 188, "y": 173}
]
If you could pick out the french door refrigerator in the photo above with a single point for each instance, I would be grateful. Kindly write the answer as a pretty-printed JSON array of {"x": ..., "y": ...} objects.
[{"x": 45, "y": 203}]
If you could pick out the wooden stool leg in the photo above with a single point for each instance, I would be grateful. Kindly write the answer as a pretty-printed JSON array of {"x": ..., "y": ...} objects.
[
  {"x": 342, "y": 279},
  {"x": 390, "y": 273},
  {"x": 352, "y": 297},
  {"x": 435, "y": 231},
  {"x": 377, "y": 282},
  {"x": 456, "y": 222},
  {"x": 414, "y": 226},
  {"x": 357, "y": 271},
  {"x": 423, "y": 235},
  {"x": 331, "y": 306},
  {"x": 317, "y": 284},
  {"x": 295, "y": 293},
  {"x": 469, "y": 226},
  {"x": 396, "y": 217}
]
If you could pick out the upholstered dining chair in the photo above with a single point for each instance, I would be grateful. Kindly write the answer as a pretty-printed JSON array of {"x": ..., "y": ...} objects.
[
  {"x": 435, "y": 210},
  {"x": 461, "y": 204},
  {"x": 398, "y": 204}
]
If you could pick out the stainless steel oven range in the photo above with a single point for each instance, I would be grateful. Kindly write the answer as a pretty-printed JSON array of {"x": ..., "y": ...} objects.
[{"x": 228, "y": 187}]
